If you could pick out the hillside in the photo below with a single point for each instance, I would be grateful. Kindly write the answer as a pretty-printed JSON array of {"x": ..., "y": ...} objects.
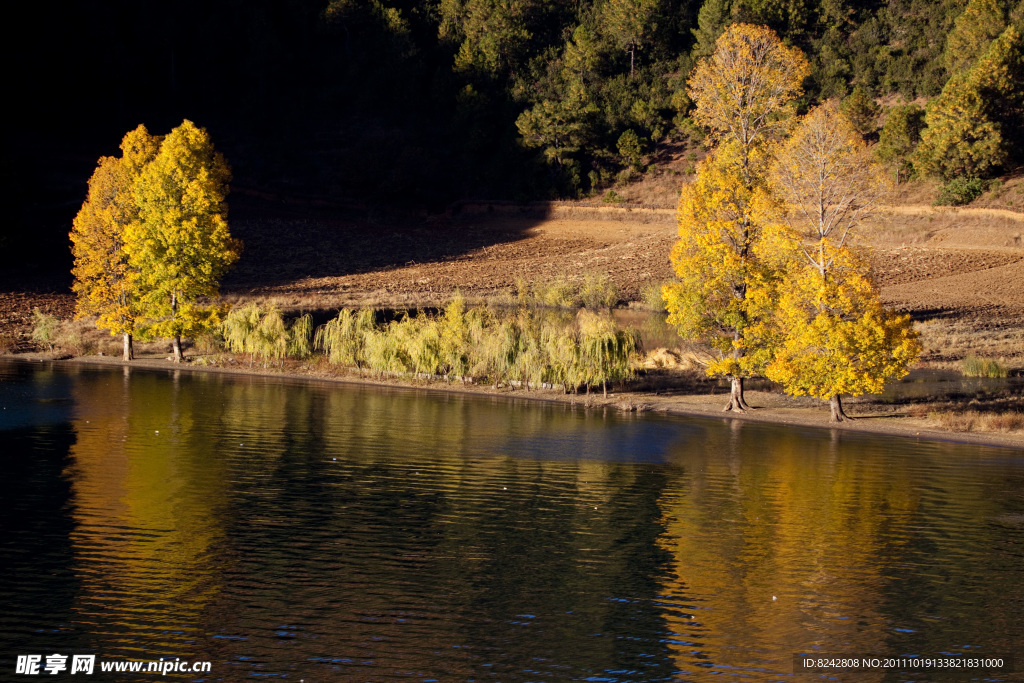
[{"x": 420, "y": 103}]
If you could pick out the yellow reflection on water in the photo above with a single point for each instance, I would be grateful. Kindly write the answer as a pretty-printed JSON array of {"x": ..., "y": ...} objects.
[
  {"x": 144, "y": 520},
  {"x": 776, "y": 548}
]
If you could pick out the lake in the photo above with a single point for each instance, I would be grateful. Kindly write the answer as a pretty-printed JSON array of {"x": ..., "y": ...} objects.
[{"x": 317, "y": 532}]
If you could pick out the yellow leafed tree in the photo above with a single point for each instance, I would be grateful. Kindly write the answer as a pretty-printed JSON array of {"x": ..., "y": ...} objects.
[
  {"x": 837, "y": 338},
  {"x": 724, "y": 258},
  {"x": 181, "y": 245},
  {"x": 727, "y": 265},
  {"x": 105, "y": 283},
  {"x": 741, "y": 92},
  {"x": 829, "y": 182}
]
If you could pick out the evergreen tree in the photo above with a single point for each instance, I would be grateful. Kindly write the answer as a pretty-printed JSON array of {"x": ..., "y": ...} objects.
[
  {"x": 493, "y": 34},
  {"x": 978, "y": 25},
  {"x": 899, "y": 138},
  {"x": 973, "y": 126},
  {"x": 711, "y": 22},
  {"x": 629, "y": 22},
  {"x": 862, "y": 111}
]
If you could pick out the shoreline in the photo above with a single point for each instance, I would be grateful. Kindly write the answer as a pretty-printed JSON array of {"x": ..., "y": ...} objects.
[{"x": 702, "y": 405}]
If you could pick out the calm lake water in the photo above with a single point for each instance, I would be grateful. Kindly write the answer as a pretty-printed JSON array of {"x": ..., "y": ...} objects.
[{"x": 326, "y": 532}]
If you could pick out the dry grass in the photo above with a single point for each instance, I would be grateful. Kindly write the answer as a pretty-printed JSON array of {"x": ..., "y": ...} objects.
[
  {"x": 977, "y": 421},
  {"x": 947, "y": 342}
]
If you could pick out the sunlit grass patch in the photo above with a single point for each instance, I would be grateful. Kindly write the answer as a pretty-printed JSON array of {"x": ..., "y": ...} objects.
[
  {"x": 974, "y": 366},
  {"x": 973, "y": 420}
]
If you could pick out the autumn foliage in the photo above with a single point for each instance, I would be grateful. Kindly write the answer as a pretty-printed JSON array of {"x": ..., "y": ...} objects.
[
  {"x": 741, "y": 91},
  {"x": 839, "y": 338},
  {"x": 106, "y": 283},
  {"x": 723, "y": 261},
  {"x": 766, "y": 275},
  {"x": 724, "y": 265},
  {"x": 151, "y": 240}
]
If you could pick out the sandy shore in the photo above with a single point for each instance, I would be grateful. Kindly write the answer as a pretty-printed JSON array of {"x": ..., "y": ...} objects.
[{"x": 768, "y": 407}]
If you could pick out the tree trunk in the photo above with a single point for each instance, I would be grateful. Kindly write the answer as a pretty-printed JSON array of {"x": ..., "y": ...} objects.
[
  {"x": 176, "y": 340},
  {"x": 604, "y": 385},
  {"x": 835, "y": 405},
  {"x": 736, "y": 401},
  {"x": 129, "y": 351},
  {"x": 632, "y": 57}
]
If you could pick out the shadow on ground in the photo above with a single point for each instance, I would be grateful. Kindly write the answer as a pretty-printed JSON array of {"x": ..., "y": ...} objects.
[{"x": 284, "y": 243}]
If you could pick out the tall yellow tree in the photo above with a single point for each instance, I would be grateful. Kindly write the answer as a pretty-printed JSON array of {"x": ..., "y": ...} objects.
[
  {"x": 837, "y": 338},
  {"x": 181, "y": 245},
  {"x": 740, "y": 94},
  {"x": 727, "y": 266},
  {"x": 105, "y": 283}
]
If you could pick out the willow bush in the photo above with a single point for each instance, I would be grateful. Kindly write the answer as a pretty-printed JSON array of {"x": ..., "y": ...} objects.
[
  {"x": 606, "y": 352},
  {"x": 264, "y": 334},
  {"x": 343, "y": 339},
  {"x": 595, "y": 290},
  {"x": 524, "y": 346},
  {"x": 300, "y": 343},
  {"x": 383, "y": 350}
]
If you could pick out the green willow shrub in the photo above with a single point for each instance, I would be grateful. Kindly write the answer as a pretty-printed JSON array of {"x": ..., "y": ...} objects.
[
  {"x": 300, "y": 342},
  {"x": 44, "y": 328},
  {"x": 598, "y": 291},
  {"x": 343, "y": 339},
  {"x": 973, "y": 366},
  {"x": 606, "y": 352},
  {"x": 264, "y": 334},
  {"x": 239, "y": 328},
  {"x": 526, "y": 346}
]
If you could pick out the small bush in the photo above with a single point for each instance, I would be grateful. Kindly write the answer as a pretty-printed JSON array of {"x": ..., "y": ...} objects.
[
  {"x": 973, "y": 366},
  {"x": 8, "y": 342},
  {"x": 69, "y": 340},
  {"x": 558, "y": 293},
  {"x": 45, "y": 328},
  {"x": 960, "y": 191},
  {"x": 598, "y": 291},
  {"x": 612, "y": 197},
  {"x": 650, "y": 295},
  {"x": 973, "y": 420}
]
